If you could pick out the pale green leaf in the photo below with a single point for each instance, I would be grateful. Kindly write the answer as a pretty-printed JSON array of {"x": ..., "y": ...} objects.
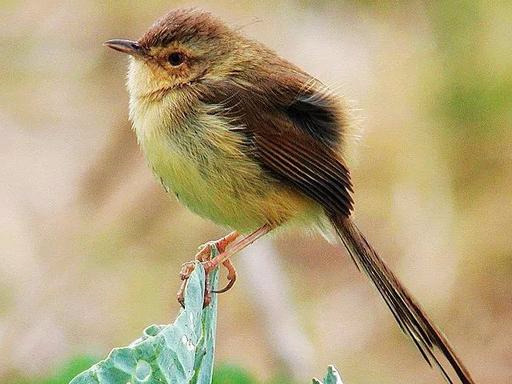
[
  {"x": 332, "y": 377},
  {"x": 180, "y": 353}
]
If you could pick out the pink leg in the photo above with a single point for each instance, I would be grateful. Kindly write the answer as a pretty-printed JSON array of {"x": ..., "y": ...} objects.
[
  {"x": 221, "y": 244},
  {"x": 236, "y": 247}
]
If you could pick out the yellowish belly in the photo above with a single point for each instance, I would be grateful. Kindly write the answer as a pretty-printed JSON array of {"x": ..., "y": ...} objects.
[{"x": 232, "y": 193}]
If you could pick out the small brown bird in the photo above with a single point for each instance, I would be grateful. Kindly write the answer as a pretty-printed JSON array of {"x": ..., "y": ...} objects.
[{"x": 252, "y": 142}]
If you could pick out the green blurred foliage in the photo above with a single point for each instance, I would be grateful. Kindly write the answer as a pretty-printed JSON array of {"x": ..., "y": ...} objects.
[
  {"x": 64, "y": 373},
  {"x": 476, "y": 96},
  {"x": 231, "y": 374}
]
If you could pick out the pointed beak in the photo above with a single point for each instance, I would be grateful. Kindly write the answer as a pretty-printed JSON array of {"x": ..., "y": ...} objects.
[{"x": 126, "y": 46}]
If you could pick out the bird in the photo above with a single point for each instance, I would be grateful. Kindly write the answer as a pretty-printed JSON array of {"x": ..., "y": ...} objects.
[{"x": 250, "y": 141}]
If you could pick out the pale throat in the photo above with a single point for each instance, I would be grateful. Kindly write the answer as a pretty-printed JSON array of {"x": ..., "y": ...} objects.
[{"x": 153, "y": 107}]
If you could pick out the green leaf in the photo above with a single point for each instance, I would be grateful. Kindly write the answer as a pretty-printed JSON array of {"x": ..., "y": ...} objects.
[
  {"x": 332, "y": 377},
  {"x": 180, "y": 353}
]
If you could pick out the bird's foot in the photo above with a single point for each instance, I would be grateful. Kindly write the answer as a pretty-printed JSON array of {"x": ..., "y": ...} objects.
[{"x": 204, "y": 256}]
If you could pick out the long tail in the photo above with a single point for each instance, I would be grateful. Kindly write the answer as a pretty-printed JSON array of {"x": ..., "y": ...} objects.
[{"x": 413, "y": 321}]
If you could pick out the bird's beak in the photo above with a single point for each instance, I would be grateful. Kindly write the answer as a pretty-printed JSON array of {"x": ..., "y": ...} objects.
[{"x": 126, "y": 46}]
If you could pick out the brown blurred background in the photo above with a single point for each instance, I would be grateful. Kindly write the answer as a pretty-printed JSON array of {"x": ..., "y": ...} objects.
[{"x": 90, "y": 245}]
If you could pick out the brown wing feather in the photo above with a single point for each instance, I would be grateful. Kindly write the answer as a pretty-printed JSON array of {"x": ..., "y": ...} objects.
[
  {"x": 293, "y": 129},
  {"x": 315, "y": 172}
]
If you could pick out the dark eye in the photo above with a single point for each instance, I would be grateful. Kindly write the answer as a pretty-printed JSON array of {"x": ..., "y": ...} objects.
[{"x": 176, "y": 59}]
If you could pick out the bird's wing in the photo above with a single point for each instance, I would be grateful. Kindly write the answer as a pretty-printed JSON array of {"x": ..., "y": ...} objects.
[{"x": 294, "y": 131}]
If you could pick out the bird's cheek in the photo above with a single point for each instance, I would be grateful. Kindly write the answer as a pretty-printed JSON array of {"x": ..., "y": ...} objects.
[
  {"x": 138, "y": 77},
  {"x": 145, "y": 77}
]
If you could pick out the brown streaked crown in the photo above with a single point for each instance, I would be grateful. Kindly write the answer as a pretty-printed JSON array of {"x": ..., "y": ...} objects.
[{"x": 183, "y": 25}]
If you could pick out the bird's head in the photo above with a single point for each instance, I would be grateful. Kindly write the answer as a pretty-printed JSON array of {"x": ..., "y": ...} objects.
[{"x": 184, "y": 47}]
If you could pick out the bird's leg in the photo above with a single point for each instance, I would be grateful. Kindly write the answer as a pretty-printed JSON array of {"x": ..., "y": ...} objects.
[
  {"x": 204, "y": 255},
  {"x": 223, "y": 257}
]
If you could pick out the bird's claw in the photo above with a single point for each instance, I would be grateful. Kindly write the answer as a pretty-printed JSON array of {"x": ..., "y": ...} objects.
[
  {"x": 204, "y": 256},
  {"x": 185, "y": 272},
  {"x": 231, "y": 276},
  {"x": 189, "y": 267}
]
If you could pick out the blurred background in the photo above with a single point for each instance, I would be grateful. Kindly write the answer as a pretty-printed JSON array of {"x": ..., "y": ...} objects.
[{"x": 91, "y": 246}]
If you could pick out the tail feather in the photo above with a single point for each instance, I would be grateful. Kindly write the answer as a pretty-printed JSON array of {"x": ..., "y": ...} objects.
[{"x": 411, "y": 318}]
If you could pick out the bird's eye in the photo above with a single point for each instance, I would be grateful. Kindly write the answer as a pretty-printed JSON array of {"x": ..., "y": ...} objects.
[{"x": 176, "y": 59}]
